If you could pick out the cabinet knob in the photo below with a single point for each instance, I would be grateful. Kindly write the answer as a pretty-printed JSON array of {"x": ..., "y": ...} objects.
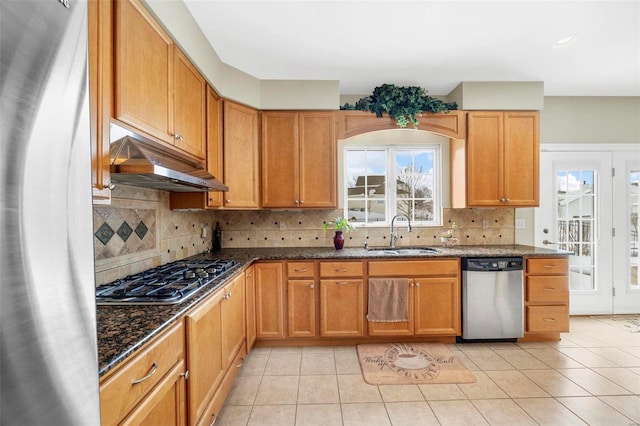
[
  {"x": 417, "y": 284},
  {"x": 212, "y": 198},
  {"x": 301, "y": 201},
  {"x": 109, "y": 186},
  {"x": 178, "y": 136},
  {"x": 185, "y": 375},
  {"x": 311, "y": 286},
  {"x": 228, "y": 201}
]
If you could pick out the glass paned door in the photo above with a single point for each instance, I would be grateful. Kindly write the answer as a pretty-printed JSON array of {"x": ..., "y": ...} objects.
[
  {"x": 575, "y": 215},
  {"x": 626, "y": 272}
]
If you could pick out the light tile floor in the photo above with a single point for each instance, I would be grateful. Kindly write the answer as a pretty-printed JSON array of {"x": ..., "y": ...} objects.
[{"x": 591, "y": 376}]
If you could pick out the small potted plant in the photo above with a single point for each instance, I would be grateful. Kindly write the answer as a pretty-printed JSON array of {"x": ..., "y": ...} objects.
[
  {"x": 341, "y": 225},
  {"x": 447, "y": 237}
]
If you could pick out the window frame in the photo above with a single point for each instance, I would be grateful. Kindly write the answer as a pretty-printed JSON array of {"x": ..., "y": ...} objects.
[{"x": 391, "y": 198}]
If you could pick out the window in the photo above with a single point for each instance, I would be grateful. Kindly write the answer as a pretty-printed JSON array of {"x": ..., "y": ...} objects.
[{"x": 381, "y": 182}]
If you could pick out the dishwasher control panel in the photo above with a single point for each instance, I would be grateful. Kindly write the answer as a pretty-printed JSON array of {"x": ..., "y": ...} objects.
[{"x": 492, "y": 264}]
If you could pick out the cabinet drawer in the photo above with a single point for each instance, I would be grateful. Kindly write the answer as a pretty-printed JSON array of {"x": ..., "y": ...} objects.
[
  {"x": 543, "y": 319},
  {"x": 341, "y": 269},
  {"x": 553, "y": 289},
  {"x": 300, "y": 270},
  {"x": 119, "y": 393},
  {"x": 548, "y": 266},
  {"x": 408, "y": 268}
]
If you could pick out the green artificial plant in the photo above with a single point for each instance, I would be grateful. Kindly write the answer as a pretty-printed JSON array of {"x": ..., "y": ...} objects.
[
  {"x": 402, "y": 103},
  {"x": 340, "y": 223}
]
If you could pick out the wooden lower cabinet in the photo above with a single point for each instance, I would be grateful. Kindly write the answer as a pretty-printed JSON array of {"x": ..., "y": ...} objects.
[
  {"x": 165, "y": 405},
  {"x": 341, "y": 307},
  {"x": 148, "y": 386},
  {"x": 269, "y": 282},
  {"x": 301, "y": 308},
  {"x": 215, "y": 336},
  {"x": 434, "y": 300},
  {"x": 250, "y": 306},
  {"x": 546, "y": 297}
]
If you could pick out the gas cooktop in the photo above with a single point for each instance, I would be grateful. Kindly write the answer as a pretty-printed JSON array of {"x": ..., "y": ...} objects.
[{"x": 165, "y": 285}]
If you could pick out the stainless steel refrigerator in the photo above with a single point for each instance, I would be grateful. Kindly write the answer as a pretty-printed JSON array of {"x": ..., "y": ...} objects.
[{"x": 48, "y": 349}]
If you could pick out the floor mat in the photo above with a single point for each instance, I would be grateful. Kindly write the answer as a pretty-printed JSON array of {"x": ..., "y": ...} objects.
[{"x": 411, "y": 363}]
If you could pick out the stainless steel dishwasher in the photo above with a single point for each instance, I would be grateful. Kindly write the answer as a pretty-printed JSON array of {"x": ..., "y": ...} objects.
[{"x": 492, "y": 298}]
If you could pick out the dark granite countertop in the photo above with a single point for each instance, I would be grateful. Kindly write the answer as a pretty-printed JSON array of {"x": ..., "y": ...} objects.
[{"x": 124, "y": 329}]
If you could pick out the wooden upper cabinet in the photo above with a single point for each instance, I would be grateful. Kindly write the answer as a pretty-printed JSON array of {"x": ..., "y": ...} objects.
[
  {"x": 502, "y": 159},
  {"x": 144, "y": 71},
  {"x": 214, "y": 144},
  {"x": 100, "y": 14},
  {"x": 157, "y": 90},
  {"x": 241, "y": 156},
  {"x": 190, "y": 107},
  {"x": 298, "y": 159}
]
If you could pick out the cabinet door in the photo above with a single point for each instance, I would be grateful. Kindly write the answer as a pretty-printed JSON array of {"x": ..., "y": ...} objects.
[
  {"x": 204, "y": 354},
  {"x": 232, "y": 319},
  {"x": 485, "y": 158},
  {"x": 341, "y": 307},
  {"x": 189, "y": 107},
  {"x": 521, "y": 153},
  {"x": 250, "y": 298},
  {"x": 144, "y": 71},
  {"x": 241, "y": 156},
  {"x": 269, "y": 300},
  {"x": 100, "y": 84},
  {"x": 214, "y": 144},
  {"x": 165, "y": 405},
  {"x": 301, "y": 308},
  {"x": 317, "y": 163},
  {"x": 437, "y": 306},
  {"x": 280, "y": 183}
]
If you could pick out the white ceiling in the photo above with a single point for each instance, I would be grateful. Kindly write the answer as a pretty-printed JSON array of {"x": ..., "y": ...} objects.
[{"x": 432, "y": 44}]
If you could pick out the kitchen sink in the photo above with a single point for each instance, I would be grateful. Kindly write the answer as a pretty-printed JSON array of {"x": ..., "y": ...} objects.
[{"x": 401, "y": 251}]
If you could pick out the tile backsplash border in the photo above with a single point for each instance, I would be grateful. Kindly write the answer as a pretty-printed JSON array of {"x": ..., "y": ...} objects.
[{"x": 180, "y": 234}]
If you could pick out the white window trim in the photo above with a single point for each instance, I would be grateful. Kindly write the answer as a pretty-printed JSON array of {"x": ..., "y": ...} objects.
[{"x": 391, "y": 148}]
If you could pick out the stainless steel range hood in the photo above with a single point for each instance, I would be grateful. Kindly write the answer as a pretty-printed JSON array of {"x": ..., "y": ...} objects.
[{"x": 139, "y": 161}]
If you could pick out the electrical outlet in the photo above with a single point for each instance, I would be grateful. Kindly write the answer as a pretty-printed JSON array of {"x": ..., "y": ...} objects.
[
  {"x": 485, "y": 224},
  {"x": 283, "y": 225},
  {"x": 521, "y": 224}
]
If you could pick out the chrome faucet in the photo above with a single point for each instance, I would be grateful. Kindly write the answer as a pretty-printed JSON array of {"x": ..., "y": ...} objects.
[{"x": 393, "y": 237}]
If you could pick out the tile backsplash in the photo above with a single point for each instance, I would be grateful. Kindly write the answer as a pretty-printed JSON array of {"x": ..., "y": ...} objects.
[{"x": 138, "y": 231}]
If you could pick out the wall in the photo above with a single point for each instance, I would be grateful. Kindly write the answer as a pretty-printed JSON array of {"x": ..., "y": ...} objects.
[{"x": 175, "y": 235}]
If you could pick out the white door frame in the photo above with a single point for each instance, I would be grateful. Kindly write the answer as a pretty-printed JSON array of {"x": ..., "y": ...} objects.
[{"x": 624, "y": 156}]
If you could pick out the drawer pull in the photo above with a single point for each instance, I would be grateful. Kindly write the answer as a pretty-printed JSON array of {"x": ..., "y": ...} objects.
[
  {"x": 549, "y": 289},
  {"x": 240, "y": 363},
  {"x": 548, "y": 266},
  {"x": 154, "y": 368},
  {"x": 342, "y": 282},
  {"x": 341, "y": 270},
  {"x": 213, "y": 419},
  {"x": 301, "y": 270},
  {"x": 549, "y": 319}
]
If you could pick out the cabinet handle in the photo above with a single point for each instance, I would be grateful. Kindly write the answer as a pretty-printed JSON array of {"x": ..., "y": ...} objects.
[
  {"x": 301, "y": 270},
  {"x": 341, "y": 270},
  {"x": 240, "y": 364},
  {"x": 228, "y": 201},
  {"x": 178, "y": 136},
  {"x": 154, "y": 368},
  {"x": 549, "y": 319},
  {"x": 212, "y": 198},
  {"x": 549, "y": 289},
  {"x": 185, "y": 375},
  {"x": 548, "y": 266},
  {"x": 311, "y": 286},
  {"x": 342, "y": 282},
  {"x": 301, "y": 201},
  {"x": 296, "y": 201},
  {"x": 109, "y": 186},
  {"x": 417, "y": 284},
  {"x": 213, "y": 419}
]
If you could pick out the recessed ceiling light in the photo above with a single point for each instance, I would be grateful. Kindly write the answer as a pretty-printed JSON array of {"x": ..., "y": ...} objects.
[{"x": 564, "y": 41}]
